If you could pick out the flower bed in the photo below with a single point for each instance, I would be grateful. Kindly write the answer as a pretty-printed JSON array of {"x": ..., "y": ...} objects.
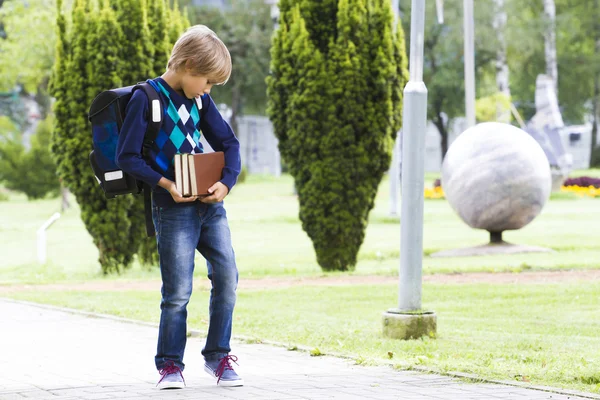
[
  {"x": 583, "y": 182},
  {"x": 582, "y": 191},
  {"x": 434, "y": 193}
]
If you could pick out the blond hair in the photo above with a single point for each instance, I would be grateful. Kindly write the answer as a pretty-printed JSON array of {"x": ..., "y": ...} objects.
[{"x": 200, "y": 50}]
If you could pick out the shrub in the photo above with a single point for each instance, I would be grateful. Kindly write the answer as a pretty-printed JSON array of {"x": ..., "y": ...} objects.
[
  {"x": 32, "y": 172},
  {"x": 335, "y": 96}
]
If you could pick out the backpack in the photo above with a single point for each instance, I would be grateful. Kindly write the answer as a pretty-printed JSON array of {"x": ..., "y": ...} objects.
[{"x": 107, "y": 113}]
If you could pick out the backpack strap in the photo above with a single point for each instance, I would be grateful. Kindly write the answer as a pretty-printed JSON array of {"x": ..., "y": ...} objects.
[
  {"x": 148, "y": 210},
  {"x": 154, "y": 115}
]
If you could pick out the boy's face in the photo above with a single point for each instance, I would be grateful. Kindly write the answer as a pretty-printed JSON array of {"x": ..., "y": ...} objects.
[{"x": 195, "y": 85}]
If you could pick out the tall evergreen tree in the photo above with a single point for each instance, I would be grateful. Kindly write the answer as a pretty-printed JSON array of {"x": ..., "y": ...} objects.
[
  {"x": 69, "y": 88},
  {"x": 159, "y": 34},
  {"x": 160, "y": 24},
  {"x": 104, "y": 48},
  {"x": 137, "y": 65},
  {"x": 86, "y": 64},
  {"x": 136, "y": 49},
  {"x": 111, "y": 227},
  {"x": 177, "y": 24},
  {"x": 69, "y": 146},
  {"x": 185, "y": 19},
  {"x": 335, "y": 97},
  {"x": 57, "y": 87}
]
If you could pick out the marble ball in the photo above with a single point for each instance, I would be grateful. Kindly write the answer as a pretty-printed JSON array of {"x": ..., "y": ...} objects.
[{"x": 496, "y": 177}]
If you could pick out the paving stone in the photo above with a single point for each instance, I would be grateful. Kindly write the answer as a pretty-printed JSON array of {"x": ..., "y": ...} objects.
[{"x": 70, "y": 356}]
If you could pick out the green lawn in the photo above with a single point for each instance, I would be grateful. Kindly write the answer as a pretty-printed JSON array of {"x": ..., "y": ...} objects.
[
  {"x": 546, "y": 334},
  {"x": 543, "y": 333},
  {"x": 269, "y": 240},
  {"x": 594, "y": 173}
]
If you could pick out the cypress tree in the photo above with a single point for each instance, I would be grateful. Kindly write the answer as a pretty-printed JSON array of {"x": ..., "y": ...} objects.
[
  {"x": 104, "y": 49},
  {"x": 159, "y": 34},
  {"x": 68, "y": 88},
  {"x": 57, "y": 89},
  {"x": 111, "y": 227},
  {"x": 74, "y": 141},
  {"x": 137, "y": 65},
  {"x": 136, "y": 50},
  {"x": 85, "y": 65},
  {"x": 177, "y": 23},
  {"x": 185, "y": 19},
  {"x": 335, "y": 101},
  {"x": 147, "y": 250}
]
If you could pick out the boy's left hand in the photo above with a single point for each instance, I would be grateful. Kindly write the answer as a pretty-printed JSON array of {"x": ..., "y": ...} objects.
[{"x": 218, "y": 192}]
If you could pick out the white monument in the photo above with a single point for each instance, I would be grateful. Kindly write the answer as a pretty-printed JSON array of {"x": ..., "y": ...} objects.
[{"x": 497, "y": 178}]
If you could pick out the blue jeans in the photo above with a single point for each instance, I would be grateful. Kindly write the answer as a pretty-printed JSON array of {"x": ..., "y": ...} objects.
[{"x": 180, "y": 231}]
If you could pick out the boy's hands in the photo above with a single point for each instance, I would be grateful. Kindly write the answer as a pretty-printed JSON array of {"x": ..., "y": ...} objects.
[
  {"x": 172, "y": 189},
  {"x": 218, "y": 192},
  {"x": 178, "y": 197}
]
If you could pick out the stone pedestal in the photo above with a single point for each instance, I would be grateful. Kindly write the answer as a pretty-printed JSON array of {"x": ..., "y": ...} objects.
[
  {"x": 409, "y": 324},
  {"x": 491, "y": 249}
]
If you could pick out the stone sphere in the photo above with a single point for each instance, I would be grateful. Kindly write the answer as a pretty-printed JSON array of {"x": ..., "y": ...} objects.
[{"x": 496, "y": 177}]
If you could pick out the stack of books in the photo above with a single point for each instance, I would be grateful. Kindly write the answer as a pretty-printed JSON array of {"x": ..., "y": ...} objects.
[{"x": 196, "y": 173}]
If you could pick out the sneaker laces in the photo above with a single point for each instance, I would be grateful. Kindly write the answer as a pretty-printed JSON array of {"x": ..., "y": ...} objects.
[
  {"x": 170, "y": 368},
  {"x": 224, "y": 365}
]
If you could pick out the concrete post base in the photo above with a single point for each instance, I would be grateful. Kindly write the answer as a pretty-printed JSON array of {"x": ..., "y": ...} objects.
[{"x": 409, "y": 324}]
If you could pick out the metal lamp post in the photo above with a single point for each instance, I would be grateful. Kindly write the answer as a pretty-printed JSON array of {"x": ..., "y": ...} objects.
[
  {"x": 469, "y": 31},
  {"x": 395, "y": 169},
  {"x": 409, "y": 320}
]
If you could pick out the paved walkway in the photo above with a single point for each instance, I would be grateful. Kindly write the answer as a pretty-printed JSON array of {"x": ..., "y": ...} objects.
[{"x": 51, "y": 354}]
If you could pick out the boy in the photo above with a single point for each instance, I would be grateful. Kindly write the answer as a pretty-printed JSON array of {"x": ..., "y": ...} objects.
[{"x": 198, "y": 61}]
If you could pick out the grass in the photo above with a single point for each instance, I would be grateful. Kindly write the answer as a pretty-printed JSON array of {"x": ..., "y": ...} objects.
[
  {"x": 546, "y": 334},
  {"x": 263, "y": 215},
  {"x": 543, "y": 333},
  {"x": 592, "y": 172}
]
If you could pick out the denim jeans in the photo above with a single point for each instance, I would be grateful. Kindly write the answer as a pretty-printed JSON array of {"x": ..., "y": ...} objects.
[{"x": 180, "y": 231}]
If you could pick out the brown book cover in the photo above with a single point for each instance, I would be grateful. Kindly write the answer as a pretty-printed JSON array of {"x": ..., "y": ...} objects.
[{"x": 206, "y": 169}]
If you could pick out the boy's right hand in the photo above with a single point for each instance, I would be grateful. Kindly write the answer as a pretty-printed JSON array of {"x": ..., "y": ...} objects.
[
  {"x": 172, "y": 189},
  {"x": 178, "y": 198}
]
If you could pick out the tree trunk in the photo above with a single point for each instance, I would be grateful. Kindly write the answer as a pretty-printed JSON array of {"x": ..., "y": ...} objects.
[
  {"x": 502, "y": 72},
  {"x": 444, "y": 143},
  {"x": 64, "y": 198},
  {"x": 438, "y": 121},
  {"x": 550, "y": 42}
]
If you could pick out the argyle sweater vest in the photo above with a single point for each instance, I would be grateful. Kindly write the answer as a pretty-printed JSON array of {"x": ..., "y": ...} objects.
[{"x": 179, "y": 129}]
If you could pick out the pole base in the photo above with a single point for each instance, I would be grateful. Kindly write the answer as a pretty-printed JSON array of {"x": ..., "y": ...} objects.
[{"x": 406, "y": 325}]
